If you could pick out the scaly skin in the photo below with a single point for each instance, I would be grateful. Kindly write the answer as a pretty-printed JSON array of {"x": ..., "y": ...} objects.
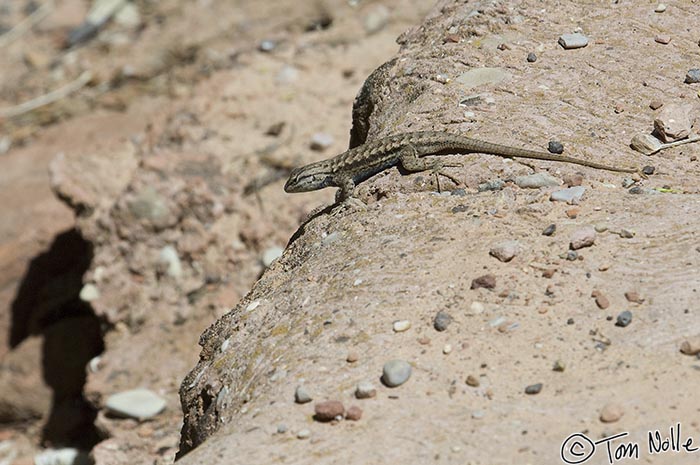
[{"x": 360, "y": 163}]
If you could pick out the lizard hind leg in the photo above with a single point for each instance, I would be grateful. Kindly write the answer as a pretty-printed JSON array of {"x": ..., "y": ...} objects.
[{"x": 412, "y": 162}]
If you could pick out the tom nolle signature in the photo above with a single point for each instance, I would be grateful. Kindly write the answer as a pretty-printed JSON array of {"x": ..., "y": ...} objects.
[{"x": 579, "y": 448}]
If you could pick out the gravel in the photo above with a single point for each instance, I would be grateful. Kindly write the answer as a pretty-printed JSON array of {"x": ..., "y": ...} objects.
[
  {"x": 573, "y": 41},
  {"x": 365, "y": 390},
  {"x": 301, "y": 395},
  {"x": 555, "y": 146},
  {"x": 624, "y": 319},
  {"x": 533, "y": 389},
  {"x": 442, "y": 321}
]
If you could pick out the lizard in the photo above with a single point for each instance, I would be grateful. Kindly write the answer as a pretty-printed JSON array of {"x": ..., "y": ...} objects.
[{"x": 358, "y": 164}]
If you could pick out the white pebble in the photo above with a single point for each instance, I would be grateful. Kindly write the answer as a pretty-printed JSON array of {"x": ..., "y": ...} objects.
[
  {"x": 304, "y": 434},
  {"x": 447, "y": 349},
  {"x": 401, "y": 326},
  {"x": 89, "y": 292}
]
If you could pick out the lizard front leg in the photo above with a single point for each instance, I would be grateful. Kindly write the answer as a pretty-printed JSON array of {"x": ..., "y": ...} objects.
[{"x": 411, "y": 162}]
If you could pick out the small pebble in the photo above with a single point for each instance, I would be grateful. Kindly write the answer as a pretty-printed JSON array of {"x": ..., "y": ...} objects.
[
  {"x": 354, "y": 413},
  {"x": 600, "y": 300},
  {"x": 476, "y": 308},
  {"x": 611, "y": 413},
  {"x": 303, "y": 434},
  {"x": 495, "y": 185},
  {"x": 328, "y": 410},
  {"x": 555, "y": 146},
  {"x": 365, "y": 390},
  {"x": 570, "y": 321},
  {"x": 140, "y": 404},
  {"x": 267, "y": 45},
  {"x": 570, "y": 195},
  {"x": 472, "y": 381},
  {"x": 275, "y": 129},
  {"x": 584, "y": 237},
  {"x": 646, "y": 144},
  {"x": 573, "y": 41},
  {"x": 548, "y": 273},
  {"x": 270, "y": 255},
  {"x": 691, "y": 346},
  {"x": 89, "y": 292},
  {"x": 693, "y": 76},
  {"x": 531, "y": 57},
  {"x": 624, "y": 319},
  {"x": 662, "y": 39},
  {"x": 447, "y": 349},
  {"x": 505, "y": 251},
  {"x": 537, "y": 180},
  {"x": 533, "y": 388},
  {"x": 660, "y": 8},
  {"x": 487, "y": 281},
  {"x": 648, "y": 170},
  {"x": 442, "y": 321},
  {"x": 549, "y": 230},
  {"x": 674, "y": 122},
  {"x": 656, "y": 104},
  {"x": 424, "y": 341},
  {"x": 396, "y": 372},
  {"x": 281, "y": 429},
  {"x": 559, "y": 366},
  {"x": 478, "y": 414},
  {"x": 352, "y": 357},
  {"x": 301, "y": 395},
  {"x": 321, "y": 141},
  {"x": 626, "y": 233},
  {"x": 401, "y": 326},
  {"x": 633, "y": 296},
  {"x": 573, "y": 180},
  {"x": 572, "y": 213},
  {"x": 376, "y": 18}
]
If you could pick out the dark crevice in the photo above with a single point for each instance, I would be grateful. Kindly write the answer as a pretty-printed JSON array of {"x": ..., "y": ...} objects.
[{"x": 47, "y": 304}]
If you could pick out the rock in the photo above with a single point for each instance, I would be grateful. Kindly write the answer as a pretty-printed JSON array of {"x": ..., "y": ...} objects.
[
  {"x": 301, "y": 395},
  {"x": 275, "y": 129},
  {"x": 549, "y": 230},
  {"x": 573, "y": 41},
  {"x": 559, "y": 366},
  {"x": 656, "y": 104},
  {"x": 446, "y": 349},
  {"x": 66, "y": 456},
  {"x": 611, "y": 413},
  {"x": 573, "y": 180},
  {"x": 537, "y": 180},
  {"x": 648, "y": 170},
  {"x": 691, "y": 346},
  {"x": 646, "y": 144},
  {"x": 505, "y": 251},
  {"x": 660, "y": 8},
  {"x": 442, "y": 321},
  {"x": 495, "y": 185},
  {"x": 600, "y": 300},
  {"x": 673, "y": 122},
  {"x": 352, "y": 357},
  {"x": 570, "y": 195},
  {"x": 170, "y": 261},
  {"x": 555, "y": 146},
  {"x": 633, "y": 296},
  {"x": 480, "y": 76},
  {"x": 321, "y": 141},
  {"x": 473, "y": 381},
  {"x": 365, "y": 390},
  {"x": 328, "y": 410},
  {"x": 303, "y": 434},
  {"x": 377, "y": 17},
  {"x": 531, "y": 57},
  {"x": 396, "y": 372},
  {"x": 692, "y": 76},
  {"x": 89, "y": 292},
  {"x": 354, "y": 413},
  {"x": 584, "y": 237},
  {"x": 663, "y": 39},
  {"x": 533, "y": 389},
  {"x": 401, "y": 326},
  {"x": 487, "y": 281},
  {"x": 128, "y": 16},
  {"x": 476, "y": 308},
  {"x": 573, "y": 212},
  {"x": 624, "y": 319},
  {"x": 270, "y": 255},
  {"x": 267, "y": 45},
  {"x": 281, "y": 429},
  {"x": 140, "y": 404}
]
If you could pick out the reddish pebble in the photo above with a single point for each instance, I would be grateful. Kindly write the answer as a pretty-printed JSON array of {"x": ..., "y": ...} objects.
[
  {"x": 487, "y": 281},
  {"x": 328, "y": 410},
  {"x": 549, "y": 272},
  {"x": 662, "y": 39},
  {"x": 656, "y": 104},
  {"x": 633, "y": 296},
  {"x": 573, "y": 180},
  {"x": 573, "y": 212},
  {"x": 352, "y": 357},
  {"x": 600, "y": 300},
  {"x": 354, "y": 413}
]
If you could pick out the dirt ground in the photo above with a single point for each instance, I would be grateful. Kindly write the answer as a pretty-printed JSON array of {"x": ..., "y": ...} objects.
[{"x": 140, "y": 209}]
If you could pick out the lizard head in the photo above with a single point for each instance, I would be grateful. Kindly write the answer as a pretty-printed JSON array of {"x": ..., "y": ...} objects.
[{"x": 308, "y": 178}]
